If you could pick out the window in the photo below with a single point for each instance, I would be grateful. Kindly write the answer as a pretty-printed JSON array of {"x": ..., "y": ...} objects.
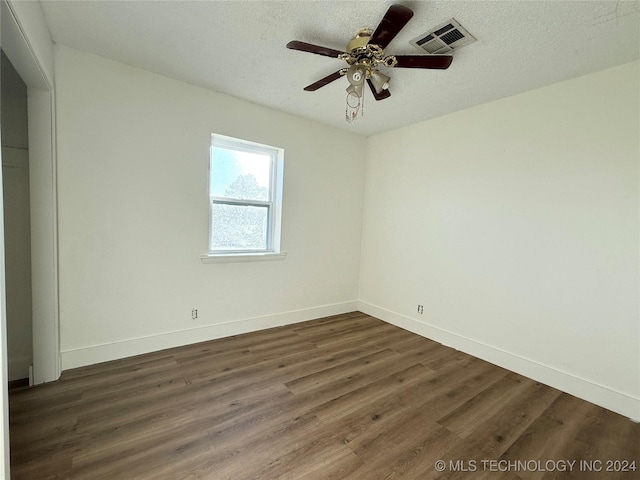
[{"x": 245, "y": 197}]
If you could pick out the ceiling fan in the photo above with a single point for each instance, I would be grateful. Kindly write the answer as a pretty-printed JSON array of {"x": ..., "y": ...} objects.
[{"x": 365, "y": 53}]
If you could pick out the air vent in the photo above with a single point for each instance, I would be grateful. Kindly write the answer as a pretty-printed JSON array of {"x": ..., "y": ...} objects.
[{"x": 444, "y": 39}]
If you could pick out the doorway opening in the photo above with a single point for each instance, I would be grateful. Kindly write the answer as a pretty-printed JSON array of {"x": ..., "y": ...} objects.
[{"x": 17, "y": 223}]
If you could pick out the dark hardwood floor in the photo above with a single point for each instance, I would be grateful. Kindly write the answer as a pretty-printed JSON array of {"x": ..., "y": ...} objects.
[{"x": 344, "y": 397}]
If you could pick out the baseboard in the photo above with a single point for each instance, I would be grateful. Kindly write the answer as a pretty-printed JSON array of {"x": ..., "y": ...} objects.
[
  {"x": 601, "y": 395},
  {"x": 90, "y": 355}
]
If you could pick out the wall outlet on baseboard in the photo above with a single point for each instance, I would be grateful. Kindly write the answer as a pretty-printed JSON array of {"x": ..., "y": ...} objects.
[
  {"x": 194, "y": 314},
  {"x": 420, "y": 309}
]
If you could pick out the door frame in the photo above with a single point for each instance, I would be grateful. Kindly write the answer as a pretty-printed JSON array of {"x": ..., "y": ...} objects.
[
  {"x": 44, "y": 227},
  {"x": 43, "y": 196}
]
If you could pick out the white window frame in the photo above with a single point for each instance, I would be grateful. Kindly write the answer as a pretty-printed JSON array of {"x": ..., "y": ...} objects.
[{"x": 273, "y": 203}]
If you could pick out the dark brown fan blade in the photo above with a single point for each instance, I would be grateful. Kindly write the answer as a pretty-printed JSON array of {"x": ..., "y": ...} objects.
[
  {"x": 441, "y": 62},
  {"x": 311, "y": 48},
  {"x": 378, "y": 96},
  {"x": 396, "y": 17},
  {"x": 324, "y": 81}
]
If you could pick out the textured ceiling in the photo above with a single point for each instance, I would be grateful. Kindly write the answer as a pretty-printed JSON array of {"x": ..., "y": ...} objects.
[{"x": 238, "y": 48}]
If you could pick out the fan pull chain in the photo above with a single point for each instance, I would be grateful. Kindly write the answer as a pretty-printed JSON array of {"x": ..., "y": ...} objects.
[{"x": 355, "y": 106}]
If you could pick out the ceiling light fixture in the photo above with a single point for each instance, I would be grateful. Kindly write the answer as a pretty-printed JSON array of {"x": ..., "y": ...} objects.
[
  {"x": 365, "y": 58},
  {"x": 380, "y": 81}
]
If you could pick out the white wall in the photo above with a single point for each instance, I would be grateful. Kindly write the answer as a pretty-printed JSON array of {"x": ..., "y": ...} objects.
[
  {"x": 133, "y": 152},
  {"x": 515, "y": 224},
  {"x": 15, "y": 179}
]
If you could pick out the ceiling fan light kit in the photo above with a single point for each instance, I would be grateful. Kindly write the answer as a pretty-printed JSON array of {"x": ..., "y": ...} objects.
[
  {"x": 365, "y": 53},
  {"x": 380, "y": 81}
]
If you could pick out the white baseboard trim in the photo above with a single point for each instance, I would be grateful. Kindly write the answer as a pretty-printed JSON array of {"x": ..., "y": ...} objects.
[
  {"x": 601, "y": 395},
  {"x": 90, "y": 355}
]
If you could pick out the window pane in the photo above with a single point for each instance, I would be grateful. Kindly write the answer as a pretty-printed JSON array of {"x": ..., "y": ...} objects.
[
  {"x": 238, "y": 227},
  {"x": 240, "y": 174}
]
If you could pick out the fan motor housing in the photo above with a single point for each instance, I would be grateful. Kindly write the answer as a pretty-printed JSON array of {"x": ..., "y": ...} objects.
[{"x": 360, "y": 40}]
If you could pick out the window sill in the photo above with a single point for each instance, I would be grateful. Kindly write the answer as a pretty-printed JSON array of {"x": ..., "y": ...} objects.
[{"x": 242, "y": 257}]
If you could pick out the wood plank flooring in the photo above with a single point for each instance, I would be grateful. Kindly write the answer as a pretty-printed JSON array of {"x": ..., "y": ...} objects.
[{"x": 344, "y": 397}]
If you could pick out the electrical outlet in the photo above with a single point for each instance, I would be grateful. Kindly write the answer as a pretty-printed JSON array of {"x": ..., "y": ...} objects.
[
  {"x": 420, "y": 309},
  {"x": 194, "y": 314}
]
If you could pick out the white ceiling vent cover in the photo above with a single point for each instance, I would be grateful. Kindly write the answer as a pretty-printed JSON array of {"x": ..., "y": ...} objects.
[{"x": 443, "y": 39}]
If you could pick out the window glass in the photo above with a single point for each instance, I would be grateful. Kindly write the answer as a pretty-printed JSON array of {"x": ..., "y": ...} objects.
[
  {"x": 245, "y": 196},
  {"x": 240, "y": 174},
  {"x": 239, "y": 227}
]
